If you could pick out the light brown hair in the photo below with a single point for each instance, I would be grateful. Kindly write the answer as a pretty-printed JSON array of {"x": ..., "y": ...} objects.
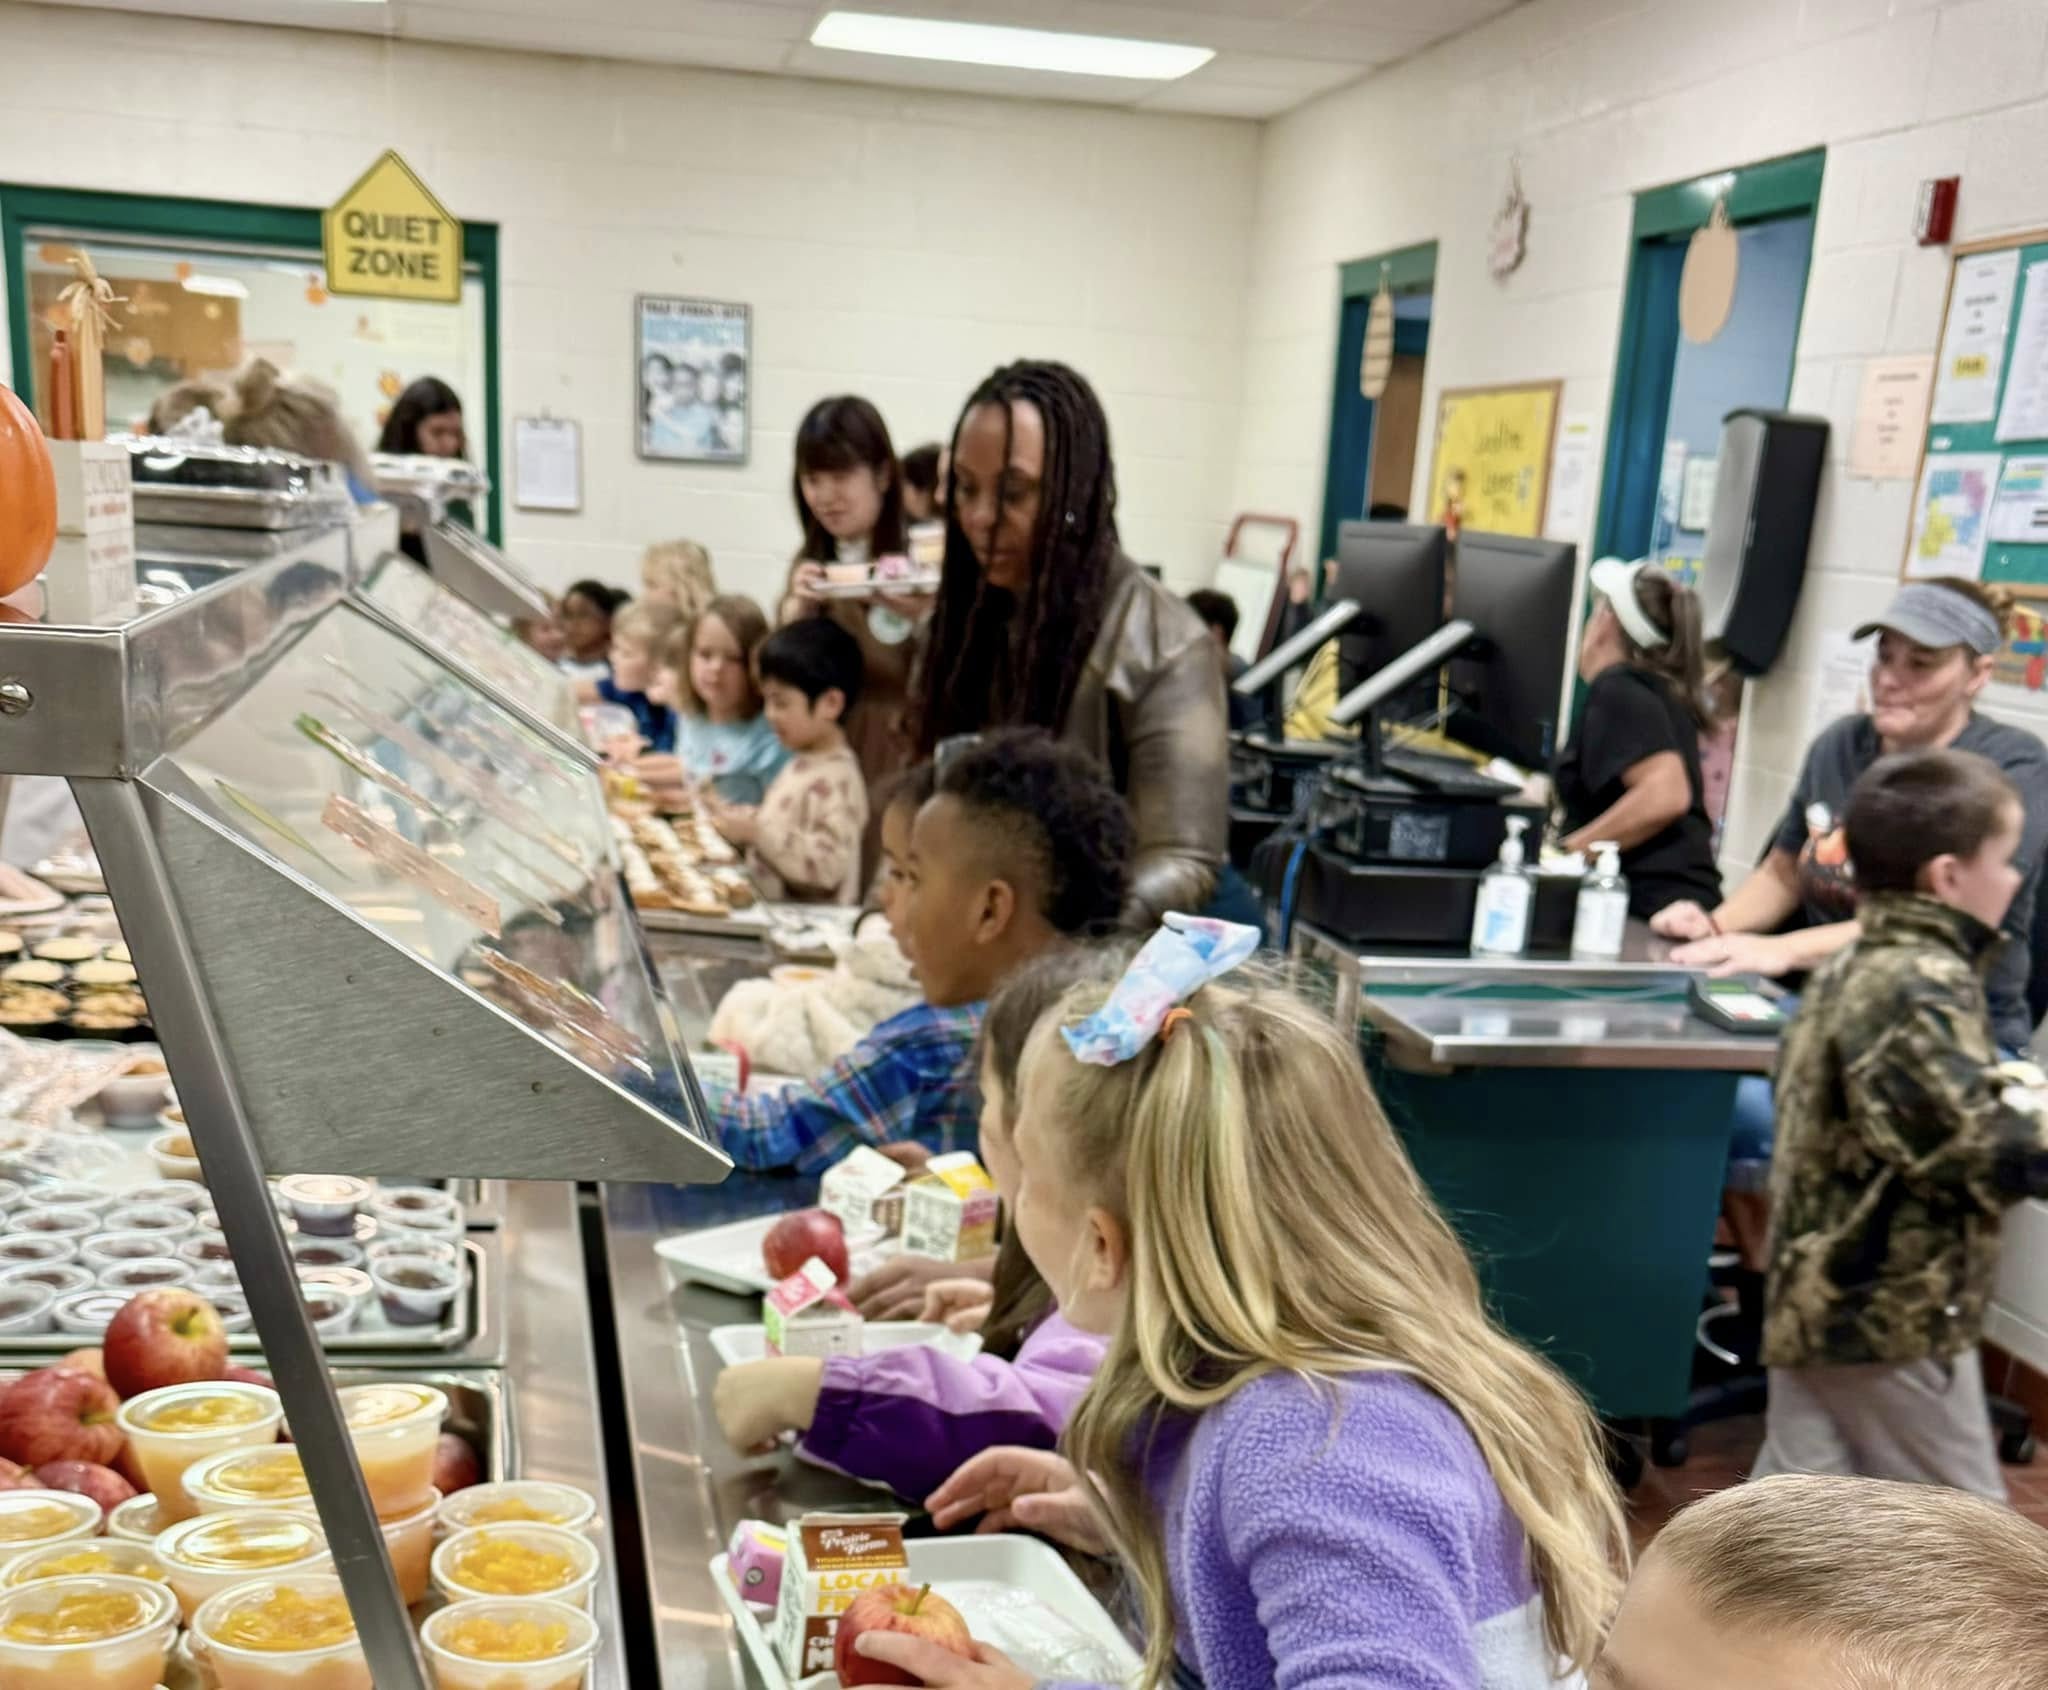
[
  {"x": 178, "y": 403},
  {"x": 644, "y": 624},
  {"x": 291, "y": 414},
  {"x": 1241, "y": 1266},
  {"x": 744, "y": 620},
  {"x": 1680, "y": 662},
  {"x": 682, "y": 570},
  {"x": 1908, "y": 1587},
  {"x": 1986, "y": 595}
]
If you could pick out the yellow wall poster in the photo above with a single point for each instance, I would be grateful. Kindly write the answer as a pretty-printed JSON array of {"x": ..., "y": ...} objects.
[
  {"x": 389, "y": 238},
  {"x": 1493, "y": 454}
]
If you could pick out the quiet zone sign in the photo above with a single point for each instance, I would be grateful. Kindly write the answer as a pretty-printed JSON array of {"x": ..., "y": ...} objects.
[{"x": 388, "y": 238}]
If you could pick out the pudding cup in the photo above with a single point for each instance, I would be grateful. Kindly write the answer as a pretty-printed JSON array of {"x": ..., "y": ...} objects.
[
  {"x": 281, "y": 1634},
  {"x": 146, "y": 1273},
  {"x": 210, "y": 1553},
  {"x": 388, "y": 1244},
  {"x": 86, "y": 1634},
  {"x": 325, "y": 1204},
  {"x": 111, "y": 1247},
  {"x": 87, "y": 1314},
  {"x": 67, "y": 1194},
  {"x": 415, "y": 1290},
  {"x": 395, "y": 1427},
  {"x": 33, "y": 1249},
  {"x": 166, "y": 1219},
  {"x": 186, "y": 1194},
  {"x": 60, "y": 1279},
  {"x": 543, "y": 1561},
  {"x": 58, "y": 1220},
  {"x": 178, "y": 1427},
  {"x": 25, "y": 1309},
  {"x": 509, "y": 1643},
  {"x": 415, "y": 1208}
]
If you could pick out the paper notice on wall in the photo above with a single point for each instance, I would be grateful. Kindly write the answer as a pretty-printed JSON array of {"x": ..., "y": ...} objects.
[
  {"x": 1952, "y": 515},
  {"x": 547, "y": 457},
  {"x": 1696, "y": 495},
  {"x": 1844, "y": 688},
  {"x": 1670, "y": 495},
  {"x": 1973, "y": 345},
  {"x": 1891, "y": 413},
  {"x": 1571, "y": 479},
  {"x": 2024, "y": 413},
  {"x": 2019, "y": 513}
]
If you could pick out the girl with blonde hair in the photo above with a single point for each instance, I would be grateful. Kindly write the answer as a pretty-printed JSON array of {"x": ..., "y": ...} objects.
[
  {"x": 677, "y": 573},
  {"x": 293, "y": 413},
  {"x": 1318, "y": 1458}
]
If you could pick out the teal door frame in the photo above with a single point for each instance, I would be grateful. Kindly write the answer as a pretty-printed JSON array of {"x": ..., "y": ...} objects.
[
  {"x": 1757, "y": 193},
  {"x": 283, "y": 228},
  {"x": 1408, "y": 269}
]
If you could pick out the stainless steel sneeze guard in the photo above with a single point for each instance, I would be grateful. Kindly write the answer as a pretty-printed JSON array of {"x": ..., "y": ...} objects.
[
  {"x": 480, "y": 573},
  {"x": 321, "y": 1011}
]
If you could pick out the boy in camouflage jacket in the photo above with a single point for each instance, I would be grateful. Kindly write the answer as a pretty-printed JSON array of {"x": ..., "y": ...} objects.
[{"x": 1901, "y": 1141}]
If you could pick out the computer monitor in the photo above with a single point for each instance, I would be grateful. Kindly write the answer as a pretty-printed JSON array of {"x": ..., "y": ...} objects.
[
  {"x": 1517, "y": 594},
  {"x": 1395, "y": 571}
]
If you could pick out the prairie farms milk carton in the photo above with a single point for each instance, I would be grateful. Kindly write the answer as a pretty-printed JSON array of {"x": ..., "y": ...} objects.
[
  {"x": 949, "y": 1212},
  {"x": 851, "y": 1189},
  {"x": 800, "y": 1317},
  {"x": 830, "y": 1560}
]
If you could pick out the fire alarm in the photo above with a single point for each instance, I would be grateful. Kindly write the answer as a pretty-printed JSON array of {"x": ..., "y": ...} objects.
[{"x": 1934, "y": 219}]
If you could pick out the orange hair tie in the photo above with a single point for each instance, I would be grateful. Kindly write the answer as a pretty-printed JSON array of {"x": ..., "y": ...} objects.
[{"x": 1172, "y": 1019}]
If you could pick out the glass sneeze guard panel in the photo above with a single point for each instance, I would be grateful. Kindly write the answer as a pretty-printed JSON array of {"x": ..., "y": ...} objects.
[{"x": 414, "y": 801}]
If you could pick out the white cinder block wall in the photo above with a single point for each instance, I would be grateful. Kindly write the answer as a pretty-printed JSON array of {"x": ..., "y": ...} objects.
[
  {"x": 897, "y": 244},
  {"x": 1601, "y": 98}
]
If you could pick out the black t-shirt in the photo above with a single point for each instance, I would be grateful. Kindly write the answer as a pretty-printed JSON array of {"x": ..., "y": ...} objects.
[{"x": 1631, "y": 715}]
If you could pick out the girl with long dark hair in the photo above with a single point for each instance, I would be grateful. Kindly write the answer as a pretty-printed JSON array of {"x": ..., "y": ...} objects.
[{"x": 427, "y": 420}]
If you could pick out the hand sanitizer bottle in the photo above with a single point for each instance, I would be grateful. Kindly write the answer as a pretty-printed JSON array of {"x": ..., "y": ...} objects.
[
  {"x": 1507, "y": 892},
  {"x": 1602, "y": 915}
]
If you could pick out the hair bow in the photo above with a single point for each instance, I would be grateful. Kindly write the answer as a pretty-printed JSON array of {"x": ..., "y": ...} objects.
[{"x": 1185, "y": 954}]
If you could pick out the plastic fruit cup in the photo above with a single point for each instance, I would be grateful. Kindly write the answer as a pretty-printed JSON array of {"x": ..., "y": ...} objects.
[
  {"x": 203, "y": 1249},
  {"x": 173, "y": 1155},
  {"x": 509, "y": 1643},
  {"x": 146, "y": 1273},
  {"x": 111, "y": 1247},
  {"x": 59, "y": 1220},
  {"x": 409, "y": 1541},
  {"x": 334, "y": 1309},
  {"x": 395, "y": 1428},
  {"x": 136, "y": 1520},
  {"x": 215, "y": 1552},
  {"x": 86, "y": 1314},
  {"x": 325, "y": 1204},
  {"x": 416, "y": 1207},
  {"x": 100, "y": 1557},
  {"x": 165, "y": 1219},
  {"x": 541, "y": 1561},
  {"x": 36, "y": 1519},
  {"x": 25, "y": 1309},
  {"x": 242, "y": 1481},
  {"x": 67, "y": 1194},
  {"x": 86, "y": 1634},
  {"x": 179, "y": 1426},
  {"x": 280, "y": 1633},
  {"x": 388, "y": 1244},
  {"x": 60, "y": 1279},
  {"x": 11, "y": 1194},
  {"x": 24, "y": 1249},
  {"x": 186, "y": 1194},
  {"x": 311, "y": 1251},
  {"x": 132, "y": 1100},
  {"x": 415, "y": 1290},
  {"x": 525, "y": 1502}
]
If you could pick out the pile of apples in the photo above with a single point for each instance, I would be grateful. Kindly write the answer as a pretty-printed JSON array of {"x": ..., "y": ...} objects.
[{"x": 57, "y": 1425}]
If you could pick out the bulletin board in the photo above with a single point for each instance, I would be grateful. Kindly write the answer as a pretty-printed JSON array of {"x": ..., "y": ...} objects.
[{"x": 1501, "y": 438}]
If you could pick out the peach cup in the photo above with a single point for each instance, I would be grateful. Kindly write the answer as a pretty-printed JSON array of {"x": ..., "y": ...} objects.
[
  {"x": 492, "y": 1561},
  {"x": 396, "y": 1428},
  {"x": 172, "y": 1430},
  {"x": 281, "y": 1634},
  {"x": 86, "y": 1634},
  {"x": 504, "y": 1643},
  {"x": 38, "y": 1519},
  {"x": 202, "y": 1557}
]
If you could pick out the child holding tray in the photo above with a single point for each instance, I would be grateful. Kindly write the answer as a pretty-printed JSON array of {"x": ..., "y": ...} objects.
[{"x": 1318, "y": 1459}]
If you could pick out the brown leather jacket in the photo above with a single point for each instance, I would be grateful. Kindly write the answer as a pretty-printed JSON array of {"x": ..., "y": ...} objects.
[{"x": 1150, "y": 704}]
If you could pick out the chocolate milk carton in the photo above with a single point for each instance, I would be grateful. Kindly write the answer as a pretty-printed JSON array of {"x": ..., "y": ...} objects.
[{"x": 831, "y": 1559}]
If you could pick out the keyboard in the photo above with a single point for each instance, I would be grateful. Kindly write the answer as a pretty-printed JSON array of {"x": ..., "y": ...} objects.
[{"x": 1451, "y": 776}]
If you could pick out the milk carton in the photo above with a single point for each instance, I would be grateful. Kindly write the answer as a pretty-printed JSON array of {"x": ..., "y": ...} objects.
[
  {"x": 800, "y": 1318},
  {"x": 949, "y": 1212},
  {"x": 830, "y": 1560},
  {"x": 852, "y": 1188}
]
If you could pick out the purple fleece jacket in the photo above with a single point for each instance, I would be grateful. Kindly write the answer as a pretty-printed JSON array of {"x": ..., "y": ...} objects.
[
  {"x": 906, "y": 1418},
  {"x": 1348, "y": 1534}
]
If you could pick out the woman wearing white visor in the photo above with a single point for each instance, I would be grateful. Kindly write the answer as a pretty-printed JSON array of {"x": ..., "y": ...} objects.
[{"x": 1631, "y": 773}]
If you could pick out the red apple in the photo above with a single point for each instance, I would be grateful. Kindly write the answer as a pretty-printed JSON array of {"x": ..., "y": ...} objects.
[
  {"x": 87, "y": 1478},
  {"x": 455, "y": 1464},
  {"x": 896, "y": 1607},
  {"x": 86, "y": 1361},
  {"x": 11, "y": 1469},
  {"x": 248, "y": 1376},
  {"x": 55, "y": 1414},
  {"x": 163, "y": 1337},
  {"x": 796, "y": 1238}
]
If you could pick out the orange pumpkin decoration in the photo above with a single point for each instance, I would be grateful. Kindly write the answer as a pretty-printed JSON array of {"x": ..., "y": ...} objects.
[{"x": 28, "y": 495}]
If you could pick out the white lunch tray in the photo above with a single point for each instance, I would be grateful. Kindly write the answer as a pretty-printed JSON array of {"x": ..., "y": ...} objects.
[
  {"x": 728, "y": 1258},
  {"x": 734, "y": 1345},
  {"x": 1001, "y": 1558}
]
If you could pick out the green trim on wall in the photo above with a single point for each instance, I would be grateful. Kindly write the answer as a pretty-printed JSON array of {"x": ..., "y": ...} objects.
[
  {"x": 1409, "y": 269},
  {"x": 291, "y": 228}
]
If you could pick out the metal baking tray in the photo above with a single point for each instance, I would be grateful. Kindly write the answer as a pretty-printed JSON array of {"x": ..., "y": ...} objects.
[
  {"x": 265, "y": 509},
  {"x": 156, "y": 461}
]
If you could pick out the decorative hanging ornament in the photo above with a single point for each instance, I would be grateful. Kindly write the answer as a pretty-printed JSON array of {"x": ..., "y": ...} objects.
[
  {"x": 1510, "y": 228},
  {"x": 1377, "y": 364},
  {"x": 1706, "y": 289}
]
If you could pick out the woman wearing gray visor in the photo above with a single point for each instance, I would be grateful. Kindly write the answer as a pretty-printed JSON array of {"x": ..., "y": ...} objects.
[{"x": 1934, "y": 655}]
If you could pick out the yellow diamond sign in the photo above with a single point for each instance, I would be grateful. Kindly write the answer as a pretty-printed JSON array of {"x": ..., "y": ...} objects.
[{"x": 388, "y": 238}]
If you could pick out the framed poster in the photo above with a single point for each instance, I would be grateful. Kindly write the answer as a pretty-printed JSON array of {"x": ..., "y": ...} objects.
[
  {"x": 694, "y": 363},
  {"x": 1496, "y": 442}
]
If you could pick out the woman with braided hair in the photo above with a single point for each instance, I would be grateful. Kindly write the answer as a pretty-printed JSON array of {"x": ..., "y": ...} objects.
[{"x": 1042, "y": 620}]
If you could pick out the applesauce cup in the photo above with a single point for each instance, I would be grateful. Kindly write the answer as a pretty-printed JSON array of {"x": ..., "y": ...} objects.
[
  {"x": 280, "y": 1633},
  {"x": 37, "y": 1519},
  {"x": 99, "y": 1557},
  {"x": 395, "y": 1427},
  {"x": 86, "y": 1634},
  {"x": 521, "y": 1502},
  {"x": 509, "y": 1643},
  {"x": 136, "y": 1520},
  {"x": 202, "y": 1557},
  {"x": 179, "y": 1426},
  {"x": 250, "y": 1481},
  {"x": 409, "y": 1541},
  {"x": 543, "y": 1561}
]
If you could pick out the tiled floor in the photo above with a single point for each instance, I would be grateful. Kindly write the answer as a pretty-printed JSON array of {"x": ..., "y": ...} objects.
[{"x": 1721, "y": 1456}]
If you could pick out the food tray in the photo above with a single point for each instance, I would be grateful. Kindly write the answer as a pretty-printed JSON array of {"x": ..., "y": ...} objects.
[
  {"x": 948, "y": 1564},
  {"x": 267, "y": 509},
  {"x": 903, "y": 586},
  {"x": 737, "y": 1345},
  {"x": 728, "y": 1258},
  {"x": 753, "y": 922}
]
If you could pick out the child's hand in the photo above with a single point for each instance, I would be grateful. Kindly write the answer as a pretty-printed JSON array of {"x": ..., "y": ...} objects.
[
  {"x": 909, "y": 1155},
  {"x": 940, "y": 1668},
  {"x": 1032, "y": 1488},
  {"x": 960, "y": 1305},
  {"x": 739, "y": 824},
  {"x": 895, "y": 1290},
  {"x": 757, "y": 1401}
]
